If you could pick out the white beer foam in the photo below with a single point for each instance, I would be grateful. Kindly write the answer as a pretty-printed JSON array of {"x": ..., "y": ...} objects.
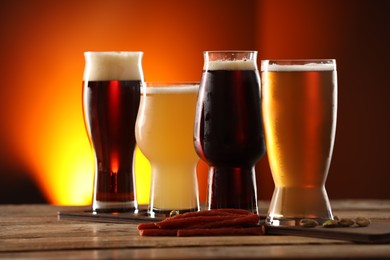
[
  {"x": 304, "y": 67},
  {"x": 231, "y": 65},
  {"x": 101, "y": 66},
  {"x": 176, "y": 89}
]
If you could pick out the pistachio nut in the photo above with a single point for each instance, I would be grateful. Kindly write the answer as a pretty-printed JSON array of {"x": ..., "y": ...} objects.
[
  {"x": 173, "y": 213},
  {"x": 346, "y": 222},
  {"x": 307, "y": 222},
  {"x": 330, "y": 223},
  {"x": 362, "y": 221}
]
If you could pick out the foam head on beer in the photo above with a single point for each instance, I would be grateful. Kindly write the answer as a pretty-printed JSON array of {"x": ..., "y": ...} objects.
[
  {"x": 104, "y": 66},
  {"x": 243, "y": 64},
  {"x": 266, "y": 65},
  {"x": 169, "y": 88}
]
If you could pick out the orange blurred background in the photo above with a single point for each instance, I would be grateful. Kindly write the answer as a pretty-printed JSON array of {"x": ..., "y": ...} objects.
[{"x": 44, "y": 150}]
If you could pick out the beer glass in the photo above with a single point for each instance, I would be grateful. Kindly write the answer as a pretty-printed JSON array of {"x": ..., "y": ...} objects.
[
  {"x": 228, "y": 132},
  {"x": 163, "y": 131},
  {"x": 111, "y": 96},
  {"x": 299, "y": 107}
]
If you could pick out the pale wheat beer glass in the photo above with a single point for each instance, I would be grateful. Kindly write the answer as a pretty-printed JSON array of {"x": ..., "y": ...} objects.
[
  {"x": 111, "y": 96},
  {"x": 299, "y": 105},
  {"x": 164, "y": 130}
]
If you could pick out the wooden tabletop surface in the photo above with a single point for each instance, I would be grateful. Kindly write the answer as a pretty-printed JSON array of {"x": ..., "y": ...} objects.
[{"x": 34, "y": 232}]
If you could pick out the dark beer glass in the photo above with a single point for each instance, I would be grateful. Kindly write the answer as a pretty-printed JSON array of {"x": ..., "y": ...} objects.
[
  {"x": 111, "y": 96},
  {"x": 228, "y": 132}
]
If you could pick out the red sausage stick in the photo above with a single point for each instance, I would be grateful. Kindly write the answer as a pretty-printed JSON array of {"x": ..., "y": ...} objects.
[
  {"x": 191, "y": 221},
  {"x": 212, "y": 212},
  {"x": 144, "y": 226},
  {"x": 248, "y": 220},
  {"x": 216, "y": 222}
]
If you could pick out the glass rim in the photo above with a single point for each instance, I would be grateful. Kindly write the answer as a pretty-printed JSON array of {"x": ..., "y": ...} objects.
[
  {"x": 298, "y": 65},
  {"x": 112, "y": 52},
  {"x": 299, "y": 60},
  {"x": 170, "y": 83},
  {"x": 230, "y": 51},
  {"x": 169, "y": 87}
]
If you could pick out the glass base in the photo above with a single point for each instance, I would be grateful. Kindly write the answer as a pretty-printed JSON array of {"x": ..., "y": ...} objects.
[
  {"x": 109, "y": 207},
  {"x": 166, "y": 213},
  {"x": 232, "y": 187},
  {"x": 291, "y": 204},
  {"x": 291, "y": 221}
]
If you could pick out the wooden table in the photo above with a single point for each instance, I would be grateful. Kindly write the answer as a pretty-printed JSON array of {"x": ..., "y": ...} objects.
[{"x": 33, "y": 231}]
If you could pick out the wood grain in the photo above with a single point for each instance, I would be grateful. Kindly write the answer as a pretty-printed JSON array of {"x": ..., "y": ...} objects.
[{"x": 33, "y": 232}]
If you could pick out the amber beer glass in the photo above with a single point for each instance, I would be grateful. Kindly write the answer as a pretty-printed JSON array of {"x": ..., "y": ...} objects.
[
  {"x": 164, "y": 130},
  {"x": 111, "y": 96},
  {"x": 228, "y": 132},
  {"x": 299, "y": 108}
]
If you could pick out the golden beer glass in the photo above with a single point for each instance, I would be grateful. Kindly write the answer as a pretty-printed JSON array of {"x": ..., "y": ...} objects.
[
  {"x": 164, "y": 134},
  {"x": 299, "y": 105}
]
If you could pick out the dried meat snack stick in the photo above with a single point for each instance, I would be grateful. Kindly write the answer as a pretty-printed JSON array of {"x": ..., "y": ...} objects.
[
  {"x": 212, "y": 212},
  {"x": 143, "y": 226},
  {"x": 158, "y": 232},
  {"x": 153, "y": 225},
  {"x": 171, "y": 223},
  {"x": 241, "y": 221},
  {"x": 220, "y": 232},
  {"x": 215, "y": 218},
  {"x": 198, "y": 214}
]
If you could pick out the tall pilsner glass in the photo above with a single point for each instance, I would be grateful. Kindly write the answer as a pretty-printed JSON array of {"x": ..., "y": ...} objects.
[
  {"x": 111, "y": 96},
  {"x": 299, "y": 108},
  {"x": 228, "y": 132},
  {"x": 164, "y": 130}
]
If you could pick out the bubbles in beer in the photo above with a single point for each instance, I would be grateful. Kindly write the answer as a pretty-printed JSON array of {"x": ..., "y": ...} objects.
[{"x": 104, "y": 66}]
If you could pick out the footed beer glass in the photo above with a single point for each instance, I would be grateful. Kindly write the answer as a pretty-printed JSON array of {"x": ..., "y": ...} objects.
[
  {"x": 228, "y": 132},
  {"x": 164, "y": 131},
  {"x": 299, "y": 104},
  {"x": 111, "y": 96}
]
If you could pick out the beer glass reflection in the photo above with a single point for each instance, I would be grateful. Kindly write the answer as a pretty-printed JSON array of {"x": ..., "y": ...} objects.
[
  {"x": 299, "y": 106},
  {"x": 164, "y": 131},
  {"x": 111, "y": 95},
  {"x": 228, "y": 132}
]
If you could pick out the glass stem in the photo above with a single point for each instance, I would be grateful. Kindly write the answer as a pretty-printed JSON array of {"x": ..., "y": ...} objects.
[{"x": 232, "y": 187}]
